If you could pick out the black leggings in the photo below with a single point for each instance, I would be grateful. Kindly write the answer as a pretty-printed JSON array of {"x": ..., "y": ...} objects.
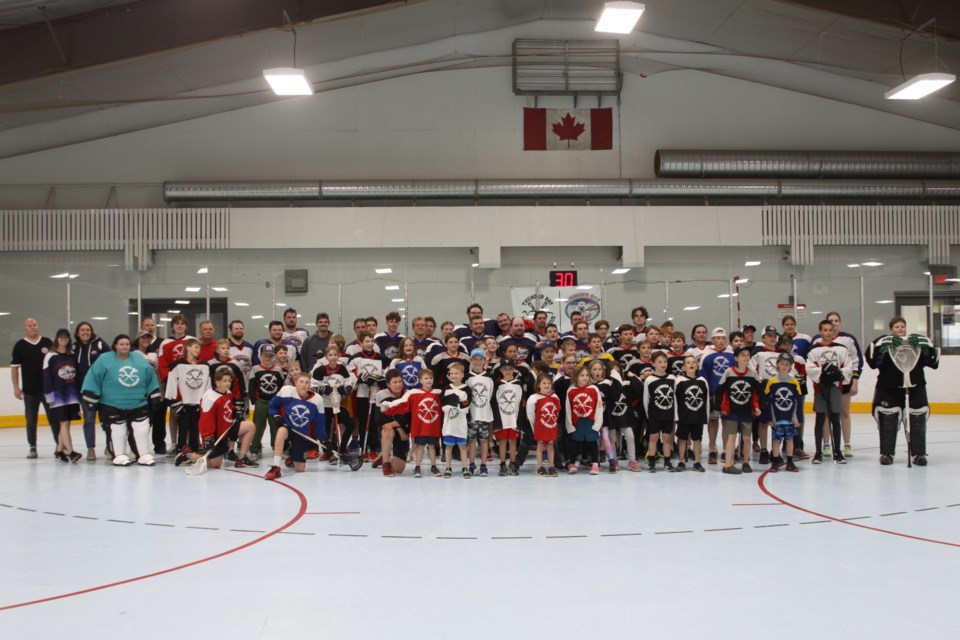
[
  {"x": 587, "y": 451},
  {"x": 188, "y": 427},
  {"x": 818, "y": 430}
]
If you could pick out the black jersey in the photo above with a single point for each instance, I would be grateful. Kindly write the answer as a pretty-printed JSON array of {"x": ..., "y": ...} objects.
[
  {"x": 692, "y": 399},
  {"x": 658, "y": 397}
]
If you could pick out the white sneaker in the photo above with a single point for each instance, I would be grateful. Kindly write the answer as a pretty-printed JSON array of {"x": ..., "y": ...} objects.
[
  {"x": 146, "y": 460},
  {"x": 122, "y": 460}
]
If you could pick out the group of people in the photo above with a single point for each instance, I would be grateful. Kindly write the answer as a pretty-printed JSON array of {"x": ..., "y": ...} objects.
[{"x": 638, "y": 394}]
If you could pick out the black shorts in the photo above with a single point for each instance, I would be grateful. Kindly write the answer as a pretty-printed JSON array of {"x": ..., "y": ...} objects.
[
  {"x": 427, "y": 440},
  {"x": 896, "y": 397},
  {"x": 400, "y": 447},
  {"x": 685, "y": 431},
  {"x": 660, "y": 426},
  {"x": 221, "y": 448}
]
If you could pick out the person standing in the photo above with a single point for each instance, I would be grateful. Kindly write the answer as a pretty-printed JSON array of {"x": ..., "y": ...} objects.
[
  {"x": 60, "y": 392},
  {"x": 87, "y": 348},
  {"x": 889, "y": 397},
  {"x": 316, "y": 345},
  {"x": 26, "y": 371}
]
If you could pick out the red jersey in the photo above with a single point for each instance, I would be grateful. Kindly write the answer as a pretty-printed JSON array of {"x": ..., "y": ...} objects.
[
  {"x": 426, "y": 417},
  {"x": 216, "y": 414},
  {"x": 543, "y": 412}
]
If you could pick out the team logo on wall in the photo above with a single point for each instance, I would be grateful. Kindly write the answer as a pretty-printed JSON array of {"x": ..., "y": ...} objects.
[
  {"x": 586, "y": 303},
  {"x": 531, "y": 304}
]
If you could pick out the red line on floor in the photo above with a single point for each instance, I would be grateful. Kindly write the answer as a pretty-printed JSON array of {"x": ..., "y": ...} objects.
[
  {"x": 763, "y": 487},
  {"x": 269, "y": 534}
]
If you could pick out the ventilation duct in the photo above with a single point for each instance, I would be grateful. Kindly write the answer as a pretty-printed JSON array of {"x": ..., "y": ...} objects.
[
  {"x": 873, "y": 165},
  {"x": 758, "y": 189}
]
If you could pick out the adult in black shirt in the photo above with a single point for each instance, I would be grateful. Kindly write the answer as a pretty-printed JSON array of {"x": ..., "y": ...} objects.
[{"x": 26, "y": 370}]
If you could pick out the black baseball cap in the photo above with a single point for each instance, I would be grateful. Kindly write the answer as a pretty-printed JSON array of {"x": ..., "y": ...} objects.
[{"x": 740, "y": 350}]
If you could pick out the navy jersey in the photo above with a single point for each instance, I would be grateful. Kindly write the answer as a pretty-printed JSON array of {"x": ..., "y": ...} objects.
[
  {"x": 714, "y": 365},
  {"x": 783, "y": 397},
  {"x": 303, "y": 414},
  {"x": 410, "y": 371},
  {"x": 60, "y": 381},
  {"x": 388, "y": 345}
]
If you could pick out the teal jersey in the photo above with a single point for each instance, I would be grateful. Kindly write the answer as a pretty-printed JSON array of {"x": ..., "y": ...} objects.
[{"x": 124, "y": 384}]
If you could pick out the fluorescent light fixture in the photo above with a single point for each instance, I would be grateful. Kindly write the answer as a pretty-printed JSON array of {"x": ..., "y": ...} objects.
[
  {"x": 953, "y": 280},
  {"x": 220, "y": 289},
  {"x": 132, "y": 313},
  {"x": 384, "y": 270},
  {"x": 816, "y": 313},
  {"x": 60, "y": 275},
  {"x": 113, "y": 265},
  {"x": 475, "y": 265},
  {"x": 241, "y": 304},
  {"x": 173, "y": 310},
  {"x": 73, "y": 275},
  {"x": 281, "y": 304},
  {"x": 163, "y": 320},
  {"x": 299, "y": 315},
  {"x": 873, "y": 263},
  {"x": 741, "y": 281},
  {"x": 392, "y": 287},
  {"x": 203, "y": 270},
  {"x": 619, "y": 17},
  {"x": 690, "y": 308},
  {"x": 4, "y": 313},
  {"x": 727, "y": 295},
  {"x": 287, "y": 81},
  {"x": 256, "y": 317},
  {"x": 181, "y": 302},
  {"x": 99, "y": 318},
  {"x": 855, "y": 265},
  {"x": 884, "y": 301},
  {"x": 396, "y": 299},
  {"x": 752, "y": 263},
  {"x": 585, "y": 287},
  {"x": 920, "y": 86},
  {"x": 401, "y": 308},
  {"x": 619, "y": 272},
  {"x": 562, "y": 300},
  {"x": 192, "y": 289}
]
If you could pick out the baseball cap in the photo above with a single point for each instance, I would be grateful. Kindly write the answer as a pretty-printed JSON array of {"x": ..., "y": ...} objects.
[
  {"x": 767, "y": 330},
  {"x": 741, "y": 350},
  {"x": 749, "y": 327},
  {"x": 548, "y": 343},
  {"x": 785, "y": 357},
  {"x": 144, "y": 334},
  {"x": 477, "y": 353},
  {"x": 267, "y": 349},
  {"x": 507, "y": 362},
  {"x": 719, "y": 333}
]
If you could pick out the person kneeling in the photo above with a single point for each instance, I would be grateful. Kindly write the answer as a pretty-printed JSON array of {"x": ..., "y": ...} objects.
[
  {"x": 220, "y": 423},
  {"x": 296, "y": 409}
]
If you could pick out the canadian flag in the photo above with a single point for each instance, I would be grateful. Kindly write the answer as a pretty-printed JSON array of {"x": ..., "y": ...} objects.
[{"x": 567, "y": 129}]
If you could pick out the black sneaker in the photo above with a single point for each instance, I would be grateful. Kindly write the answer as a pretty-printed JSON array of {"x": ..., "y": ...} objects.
[
  {"x": 838, "y": 458},
  {"x": 416, "y": 472},
  {"x": 231, "y": 455},
  {"x": 886, "y": 459},
  {"x": 435, "y": 471},
  {"x": 448, "y": 473},
  {"x": 746, "y": 468},
  {"x": 732, "y": 470},
  {"x": 503, "y": 469},
  {"x": 817, "y": 458},
  {"x": 698, "y": 467},
  {"x": 61, "y": 456},
  {"x": 775, "y": 463},
  {"x": 652, "y": 464},
  {"x": 245, "y": 461},
  {"x": 513, "y": 469},
  {"x": 32, "y": 454},
  {"x": 920, "y": 460},
  {"x": 764, "y": 456},
  {"x": 668, "y": 466},
  {"x": 681, "y": 466},
  {"x": 181, "y": 458},
  {"x": 791, "y": 467},
  {"x": 553, "y": 472},
  {"x": 541, "y": 472},
  {"x": 75, "y": 457}
]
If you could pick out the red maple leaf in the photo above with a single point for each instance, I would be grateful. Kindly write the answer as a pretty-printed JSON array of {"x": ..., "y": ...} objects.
[{"x": 568, "y": 128}]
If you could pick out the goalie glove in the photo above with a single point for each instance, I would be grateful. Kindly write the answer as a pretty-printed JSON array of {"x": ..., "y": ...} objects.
[
  {"x": 176, "y": 407},
  {"x": 278, "y": 420},
  {"x": 346, "y": 390},
  {"x": 325, "y": 388},
  {"x": 830, "y": 373},
  {"x": 90, "y": 400}
]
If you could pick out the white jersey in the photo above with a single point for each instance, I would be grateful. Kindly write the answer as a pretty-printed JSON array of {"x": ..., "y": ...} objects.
[
  {"x": 835, "y": 354},
  {"x": 481, "y": 390}
]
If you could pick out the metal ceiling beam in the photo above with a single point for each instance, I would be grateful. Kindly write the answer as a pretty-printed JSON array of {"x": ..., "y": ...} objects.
[{"x": 152, "y": 26}]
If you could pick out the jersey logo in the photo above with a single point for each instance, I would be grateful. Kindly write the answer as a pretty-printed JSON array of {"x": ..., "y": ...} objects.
[
  {"x": 128, "y": 376},
  {"x": 829, "y": 356},
  {"x": 428, "y": 410},
  {"x": 626, "y": 360},
  {"x": 783, "y": 399},
  {"x": 508, "y": 400},
  {"x": 369, "y": 368},
  {"x": 67, "y": 373},
  {"x": 770, "y": 367},
  {"x": 299, "y": 416},
  {"x": 548, "y": 415},
  {"x": 268, "y": 385},
  {"x": 620, "y": 406},
  {"x": 227, "y": 412},
  {"x": 719, "y": 366},
  {"x": 663, "y": 397},
  {"x": 177, "y": 351},
  {"x": 522, "y": 353},
  {"x": 193, "y": 379},
  {"x": 390, "y": 352},
  {"x": 479, "y": 394},
  {"x": 693, "y": 398},
  {"x": 740, "y": 391},
  {"x": 243, "y": 361},
  {"x": 582, "y": 405},
  {"x": 677, "y": 367},
  {"x": 410, "y": 376}
]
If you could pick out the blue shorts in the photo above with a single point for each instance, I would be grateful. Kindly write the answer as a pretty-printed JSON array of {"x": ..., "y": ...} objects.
[
  {"x": 298, "y": 446},
  {"x": 784, "y": 431},
  {"x": 453, "y": 440}
]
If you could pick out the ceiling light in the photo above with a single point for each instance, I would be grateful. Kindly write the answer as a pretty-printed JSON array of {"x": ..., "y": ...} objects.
[
  {"x": 4, "y": 313},
  {"x": 816, "y": 313},
  {"x": 619, "y": 272},
  {"x": 163, "y": 320},
  {"x": 952, "y": 280},
  {"x": 727, "y": 295},
  {"x": 132, "y": 313},
  {"x": 99, "y": 318},
  {"x": 619, "y": 17},
  {"x": 873, "y": 264},
  {"x": 396, "y": 299},
  {"x": 73, "y": 275},
  {"x": 690, "y": 308},
  {"x": 256, "y": 317},
  {"x": 220, "y": 289},
  {"x": 401, "y": 309},
  {"x": 392, "y": 287},
  {"x": 241, "y": 304},
  {"x": 61, "y": 275},
  {"x": 192, "y": 289},
  {"x": 287, "y": 81},
  {"x": 475, "y": 264},
  {"x": 181, "y": 302},
  {"x": 884, "y": 301},
  {"x": 203, "y": 270},
  {"x": 752, "y": 263},
  {"x": 384, "y": 270},
  {"x": 173, "y": 310},
  {"x": 561, "y": 299},
  {"x": 920, "y": 86},
  {"x": 585, "y": 287},
  {"x": 741, "y": 281},
  {"x": 855, "y": 265},
  {"x": 281, "y": 304}
]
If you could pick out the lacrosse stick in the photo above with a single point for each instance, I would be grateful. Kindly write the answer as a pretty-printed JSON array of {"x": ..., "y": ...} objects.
[
  {"x": 905, "y": 358},
  {"x": 200, "y": 466},
  {"x": 352, "y": 460}
]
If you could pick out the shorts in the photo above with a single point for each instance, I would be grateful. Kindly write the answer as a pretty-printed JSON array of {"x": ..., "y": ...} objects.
[
  {"x": 478, "y": 430},
  {"x": 298, "y": 446},
  {"x": 660, "y": 426},
  {"x": 452, "y": 441},
  {"x": 507, "y": 434},
  {"x": 584, "y": 432},
  {"x": 65, "y": 413},
  {"x": 784, "y": 431},
  {"x": 401, "y": 448},
  {"x": 828, "y": 404},
  {"x": 430, "y": 441},
  {"x": 221, "y": 448},
  {"x": 694, "y": 431},
  {"x": 847, "y": 388},
  {"x": 732, "y": 426}
]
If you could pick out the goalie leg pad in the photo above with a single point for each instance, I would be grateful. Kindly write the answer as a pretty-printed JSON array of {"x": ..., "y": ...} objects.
[
  {"x": 115, "y": 424},
  {"x": 888, "y": 423},
  {"x": 140, "y": 425},
  {"x": 918, "y": 431}
]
